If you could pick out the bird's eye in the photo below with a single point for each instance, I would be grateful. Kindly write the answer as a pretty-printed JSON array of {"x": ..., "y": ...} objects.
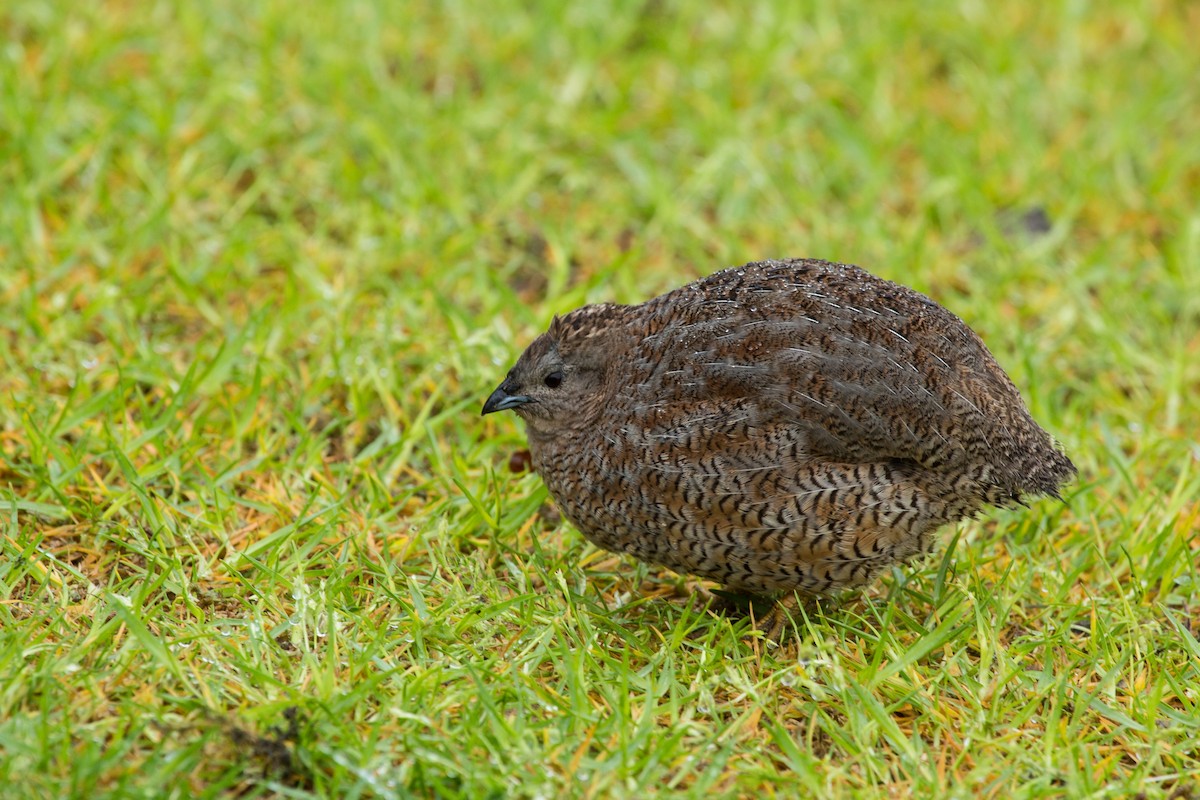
[{"x": 553, "y": 380}]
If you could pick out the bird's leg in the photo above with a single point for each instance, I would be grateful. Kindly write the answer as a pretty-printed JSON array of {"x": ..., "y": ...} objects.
[
  {"x": 770, "y": 616},
  {"x": 775, "y": 623}
]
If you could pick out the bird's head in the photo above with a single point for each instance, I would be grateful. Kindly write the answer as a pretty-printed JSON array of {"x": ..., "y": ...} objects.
[{"x": 559, "y": 383}]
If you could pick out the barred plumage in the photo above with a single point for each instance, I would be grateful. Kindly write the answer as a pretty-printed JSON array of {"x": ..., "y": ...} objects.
[{"x": 784, "y": 425}]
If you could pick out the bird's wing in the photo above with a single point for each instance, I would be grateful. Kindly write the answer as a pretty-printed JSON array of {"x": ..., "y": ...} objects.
[{"x": 860, "y": 389}]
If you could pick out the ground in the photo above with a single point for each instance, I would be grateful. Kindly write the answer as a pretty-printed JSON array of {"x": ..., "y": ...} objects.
[{"x": 260, "y": 265}]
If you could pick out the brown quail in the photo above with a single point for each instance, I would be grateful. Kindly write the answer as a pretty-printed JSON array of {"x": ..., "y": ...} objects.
[{"x": 780, "y": 426}]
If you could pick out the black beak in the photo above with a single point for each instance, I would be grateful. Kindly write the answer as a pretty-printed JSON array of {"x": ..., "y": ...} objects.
[{"x": 501, "y": 400}]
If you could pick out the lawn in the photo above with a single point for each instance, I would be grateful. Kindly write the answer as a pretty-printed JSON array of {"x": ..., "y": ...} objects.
[{"x": 261, "y": 263}]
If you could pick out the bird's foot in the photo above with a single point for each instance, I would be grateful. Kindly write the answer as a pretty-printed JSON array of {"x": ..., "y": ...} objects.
[
  {"x": 776, "y": 622},
  {"x": 770, "y": 617}
]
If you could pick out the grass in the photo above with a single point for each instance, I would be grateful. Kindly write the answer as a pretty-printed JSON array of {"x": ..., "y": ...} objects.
[{"x": 259, "y": 267}]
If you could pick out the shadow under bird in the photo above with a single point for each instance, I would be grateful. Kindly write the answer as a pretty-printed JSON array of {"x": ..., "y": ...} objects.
[{"x": 777, "y": 427}]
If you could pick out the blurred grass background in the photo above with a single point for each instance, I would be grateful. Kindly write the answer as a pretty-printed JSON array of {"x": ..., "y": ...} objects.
[{"x": 260, "y": 264}]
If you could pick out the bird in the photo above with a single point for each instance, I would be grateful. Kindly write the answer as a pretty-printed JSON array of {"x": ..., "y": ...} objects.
[{"x": 786, "y": 428}]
